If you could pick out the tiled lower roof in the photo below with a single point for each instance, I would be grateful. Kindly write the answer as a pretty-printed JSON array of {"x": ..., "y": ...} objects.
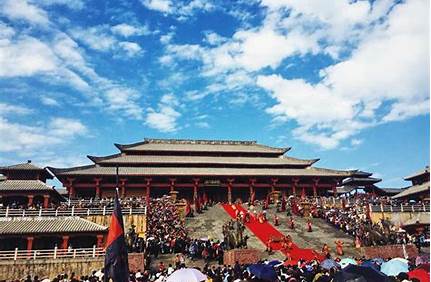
[
  {"x": 44, "y": 225},
  {"x": 418, "y": 173},
  {"x": 199, "y": 171},
  {"x": 413, "y": 190},
  {"x": 153, "y": 159},
  {"x": 23, "y": 166},
  {"x": 24, "y": 185}
]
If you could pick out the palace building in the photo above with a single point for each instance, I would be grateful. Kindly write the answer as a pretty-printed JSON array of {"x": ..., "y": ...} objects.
[
  {"x": 221, "y": 170},
  {"x": 25, "y": 184}
]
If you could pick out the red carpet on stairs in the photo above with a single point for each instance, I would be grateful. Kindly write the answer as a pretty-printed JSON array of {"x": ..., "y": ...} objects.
[{"x": 265, "y": 231}]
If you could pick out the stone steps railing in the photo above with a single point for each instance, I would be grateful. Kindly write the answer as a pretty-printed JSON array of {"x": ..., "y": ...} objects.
[
  {"x": 71, "y": 211},
  {"x": 400, "y": 208},
  {"x": 51, "y": 254}
]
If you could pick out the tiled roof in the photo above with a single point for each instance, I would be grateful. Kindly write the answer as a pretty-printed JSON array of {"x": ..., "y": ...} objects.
[
  {"x": 344, "y": 189},
  {"x": 200, "y": 146},
  {"x": 43, "y": 225},
  {"x": 361, "y": 180},
  {"x": 24, "y": 185},
  {"x": 413, "y": 190},
  {"x": 151, "y": 159},
  {"x": 419, "y": 173},
  {"x": 392, "y": 190},
  {"x": 199, "y": 171},
  {"x": 23, "y": 166}
]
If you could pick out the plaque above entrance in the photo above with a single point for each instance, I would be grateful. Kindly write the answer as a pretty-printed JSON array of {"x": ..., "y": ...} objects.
[{"x": 213, "y": 182}]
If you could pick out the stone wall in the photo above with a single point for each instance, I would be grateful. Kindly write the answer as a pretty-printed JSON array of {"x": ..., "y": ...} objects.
[
  {"x": 139, "y": 220},
  {"x": 243, "y": 256},
  {"x": 398, "y": 218},
  {"x": 389, "y": 251},
  {"x": 50, "y": 268}
]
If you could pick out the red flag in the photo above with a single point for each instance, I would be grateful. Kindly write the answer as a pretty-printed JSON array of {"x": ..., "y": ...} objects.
[{"x": 116, "y": 261}]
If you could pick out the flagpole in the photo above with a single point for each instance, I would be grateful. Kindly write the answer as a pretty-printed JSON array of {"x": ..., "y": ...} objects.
[{"x": 116, "y": 178}]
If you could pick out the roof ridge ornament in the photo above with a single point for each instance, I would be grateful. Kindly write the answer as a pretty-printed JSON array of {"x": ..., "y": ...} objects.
[{"x": 200, "y": 141}]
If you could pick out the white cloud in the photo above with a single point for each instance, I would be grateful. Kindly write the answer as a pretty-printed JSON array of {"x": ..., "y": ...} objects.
[
  {"x": 356, "y": 142},
  {"x": 72, "y": 4},
  {"x": 390, "y": 66},
  {"x": 127, "y": 30},
  {"x": 22, "y": 10},
  {"x": 165, "y": 118},
  {"x": 24, "y": 138},
  {"x": 61, "y": 61},
  {"x": 65, "y": 127},
  {"x": 164, "y": 6},
  {"x": 202, "y": 124},
  {"x": 123, "y": 100},
  {"x": 49, "y": 101},
  {"x": 14, "y": 109},
  {"x": 100, "y": 38},
  {"x": 131, "y": 48},
  {"x": 25, "y": 57},
  {"x": 95, "y": 37},
  {"x": 182, "y": 11}
]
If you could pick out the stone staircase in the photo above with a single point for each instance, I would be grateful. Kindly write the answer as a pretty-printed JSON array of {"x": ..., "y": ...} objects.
[{"x": 322, "y": 233}]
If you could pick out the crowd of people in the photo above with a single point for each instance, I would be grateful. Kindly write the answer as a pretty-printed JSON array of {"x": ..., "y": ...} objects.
[
  {"x": 303, "y": 271},
  {"x": 353, "y": 219},
  {"x": 234, "y": 234},
  {"x": 108, "y": 202},
  {"x": 166, "y": 233}
]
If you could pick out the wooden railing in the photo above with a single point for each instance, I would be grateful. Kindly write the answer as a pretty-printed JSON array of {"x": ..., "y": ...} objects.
[
  {"x": 51, "y": 254},
  {"x": 72, "y": 211},
  {"x": 401, "y": 208}
]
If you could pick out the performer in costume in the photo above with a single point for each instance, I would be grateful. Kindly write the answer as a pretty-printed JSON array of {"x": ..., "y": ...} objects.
[
  {"x": 339, "y": 247},
  {"x": 325, "y": 250}
]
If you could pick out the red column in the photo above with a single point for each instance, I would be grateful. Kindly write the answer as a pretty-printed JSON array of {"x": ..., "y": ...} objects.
[
  {"x": 334, "y": 189},
  {"x": 294, "y": 185},
  {"x": 251, "y": 183},
  {"x": 97, "y": 184},
  {"x": 99, "y": 243},
  {"x": 45, "y": 201},
  {"x": 273, "y": 184},
  {"x": 70, "y": 187},
  {"x": 195, "y": 192},
  {"x": 315, "y": 183},
  {"x": 30, "y": 200},
  {"x": 229, "y": 189},
  {"x": 147, "y": 192},
  {"x": 65, "y": 242},
  {"x": 172, "y": 183},
  {"x": 303, "y": 192},
  {"x": 29, "y": 245},
  {"x": 123, "y": 187}
]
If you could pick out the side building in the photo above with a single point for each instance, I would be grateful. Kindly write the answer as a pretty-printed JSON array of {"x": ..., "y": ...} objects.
[
  {"x": 221, "y": 170},
  {"x": 24, "y": 185}
]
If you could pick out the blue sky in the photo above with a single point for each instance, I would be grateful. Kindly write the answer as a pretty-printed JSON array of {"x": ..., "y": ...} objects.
[{"x": 343, "y": 81}]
